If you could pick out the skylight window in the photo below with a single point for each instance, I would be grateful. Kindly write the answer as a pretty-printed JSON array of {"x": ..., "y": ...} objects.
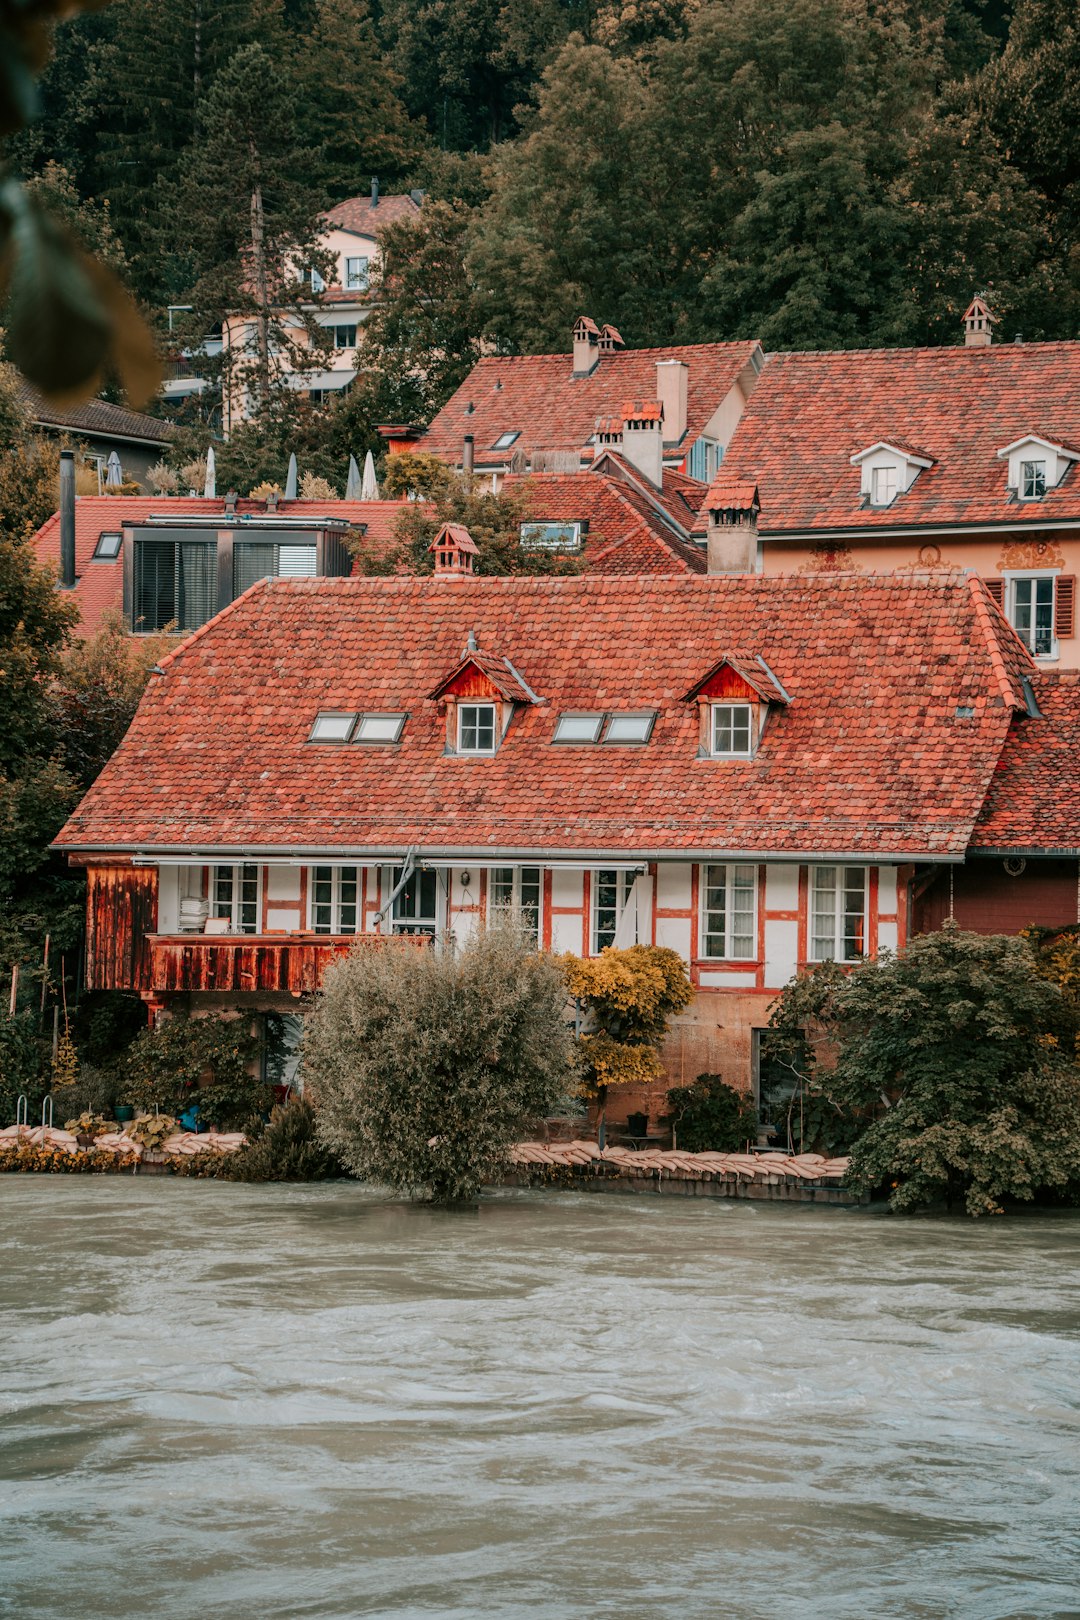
[
  {"x": 108, "y": 546},
  {"x": 630, "y": 728},
  {"x": 379, "y": 728},
  {"x": 331, "y": 727},
  {"x": 578, "y": 728},
  {"x": 551, "y": 536},
  {"x": 505, "y": 440}
]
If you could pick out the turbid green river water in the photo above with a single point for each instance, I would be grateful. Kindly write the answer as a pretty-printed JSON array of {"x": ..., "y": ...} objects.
[{"x": 309, "y": 1401}]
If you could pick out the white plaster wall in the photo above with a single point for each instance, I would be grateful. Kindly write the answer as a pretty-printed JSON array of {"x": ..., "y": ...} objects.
[
  {"x": 887, "y": 936},
  {"x": 567, "y": 888},
  {"x": 169, "y": 899},
  {"x": 674, "y": 933},
  {"x": 566, "y": 934},
  {"x": 886, "y": 889},
  {"x": 283, "y": 885},
  {"x": 781, "y": 950},
  {"x": 673, "y": 886},
  {"x": 643, "y": 890},
  {"x": 782, "y": 888},
  {"x": 711, "y": 980},
  {"x": 725, "y": 419}
]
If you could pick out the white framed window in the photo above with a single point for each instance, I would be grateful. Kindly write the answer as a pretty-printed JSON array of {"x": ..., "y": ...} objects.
[
  {"x": 1032, "y": 480},
  {"x": 630, "y": 728},
  {"x": 333, "y": 899},
  {"x": 108, "y": 547},
  {"x": 610, "y": 894},
  {"x": 729, "y": 912},
  {"x": 234, "y": 895},
  {"x": 476, "y": 728},
  {"x": 551, "y": 536},
  {"x": 882, "y": 486},
  {"x": 416, "y": 909},
  {"x": 379, "y": 728},
  {"x": 344, "y": 336},
  {"x": 318, "y": 285},
  {"x": 331, "y": 727},
  {"x": 577, "y": 728},
  {"x": 517, "y": 889},
  {"x": 837, "y": 913},
  {"x": 356, "y": 274},
  {"x": 1031, "y": 612},
  {"x": 505, "y": 440},
  {"x": 732, "y": 730}
]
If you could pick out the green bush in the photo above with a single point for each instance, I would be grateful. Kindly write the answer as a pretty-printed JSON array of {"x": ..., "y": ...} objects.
[
  {"x": 712, "y": 1117},
  {"x": 289, "y": 1149},
  {"x": 426, "y": 1065},
  {"x": 24, "y": 1066},
  {"x": 207, "y": 1061}
]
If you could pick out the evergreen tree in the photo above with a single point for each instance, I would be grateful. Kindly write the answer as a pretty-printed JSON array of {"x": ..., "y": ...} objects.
[{"x": 251, "y": 217}]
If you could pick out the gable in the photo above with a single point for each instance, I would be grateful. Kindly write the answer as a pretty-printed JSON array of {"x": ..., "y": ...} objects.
[
  {"x": 727, "y": 683},
  {"x": 470, "y": 682}
]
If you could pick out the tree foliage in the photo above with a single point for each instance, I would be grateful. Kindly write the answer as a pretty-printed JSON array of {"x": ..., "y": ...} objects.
[
  {"x": 493, "y": 518},
  {"x": 710, "y": 1116},
  {"x": 210, "y": 1062},
  {"x": 956, "y": 1061},
  {"x": 626, "y": 998},
  {"x": 426, "y": 1065}
]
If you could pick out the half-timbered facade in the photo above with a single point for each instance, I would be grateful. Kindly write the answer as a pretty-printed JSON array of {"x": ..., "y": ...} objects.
[{"x": 755, "y": 772}]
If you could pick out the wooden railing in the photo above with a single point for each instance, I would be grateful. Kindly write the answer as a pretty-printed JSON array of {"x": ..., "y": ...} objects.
[{"x": 293, "y": 963}]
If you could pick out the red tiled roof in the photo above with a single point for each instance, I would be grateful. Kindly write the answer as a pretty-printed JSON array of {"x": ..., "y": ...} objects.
[
  {"x": 810, "y": 413},
  {"x": 356, "y": 214},
  {"x": 98, "y": 418},
  {"x": 1034, "y": 797},
  {"x": 538, "y": 396},
  {"x": 99, "y": 584},
  {"x": 869, "y": 757},
  {"x": 627, "y": 534}
]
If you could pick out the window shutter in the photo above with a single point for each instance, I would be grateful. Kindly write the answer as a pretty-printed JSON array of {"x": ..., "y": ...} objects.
[
  {"x": 996, "y": 587},
  {"x": 1065, "y": 606}
]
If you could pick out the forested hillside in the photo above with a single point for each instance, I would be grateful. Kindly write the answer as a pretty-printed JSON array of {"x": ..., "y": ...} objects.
[{"x": 815, "y": 173}]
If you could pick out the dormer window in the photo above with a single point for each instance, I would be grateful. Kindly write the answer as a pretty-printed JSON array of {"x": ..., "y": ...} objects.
[
  {"x": 882, "y": 486},
  {"x": 732, "y": 730},
  {"x": 1032, "y": 480},
  {"x": 887, "y": 470},
  {"x": 476, "y": 728}
]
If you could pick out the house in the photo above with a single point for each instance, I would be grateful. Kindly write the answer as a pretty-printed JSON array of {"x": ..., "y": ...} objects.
[
  {"x": 925, "y": 459},
  {"x": 674, "y": 407},
  {"x": 168, "y": 560},
  {"x": 615, "y": 521},
  {"x": 758, "y": 772},
  {"x": 341, "y": 305},
  {"x": 101, "y": 429}
]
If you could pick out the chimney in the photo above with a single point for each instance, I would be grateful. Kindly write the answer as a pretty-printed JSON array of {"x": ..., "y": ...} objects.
[
  {"x": 672, "y": 378},
  {"x": 586, "y": 346},
  {"x": 610, "y": 340},
  {"x": 978, "y": 323},
  {"x": 731, "y": 508},
  {"x": 272, "y": 498},
  {"x": 468, "y": 456},
  {"x": 643, "y": 438},
  {"x": 374, "y": 191},
  {"x": 67, "y": 519},
  {"x": 455, "y": 552},
  {"x": 231, "y": 499},
  {"x": 608, "y": 433}
]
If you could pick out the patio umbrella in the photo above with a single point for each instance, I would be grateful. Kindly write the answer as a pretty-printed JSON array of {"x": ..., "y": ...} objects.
[
  {"x": 209, "y": 488},
  {"x": 352, "y": 488},
  {"x": 290, "y": 481},
  {"x": 369, "y": 489},
  {"x": 114, "y": 473}
]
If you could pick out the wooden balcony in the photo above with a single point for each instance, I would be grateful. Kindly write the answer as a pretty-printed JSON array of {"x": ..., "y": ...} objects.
[{"x": 289, "y": 963}]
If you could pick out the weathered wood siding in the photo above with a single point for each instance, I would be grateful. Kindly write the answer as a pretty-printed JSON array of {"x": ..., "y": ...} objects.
[
  {"x": 121, "y": 911},
  {"x": 247, "y": 963},
  {"x": 987, "y": 900}
]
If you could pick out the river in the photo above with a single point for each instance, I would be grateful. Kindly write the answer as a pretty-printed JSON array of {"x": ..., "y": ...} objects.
[{"x": 286, "y": 1402}]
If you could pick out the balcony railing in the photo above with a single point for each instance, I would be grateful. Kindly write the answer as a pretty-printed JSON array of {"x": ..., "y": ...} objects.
[{"x": 290, "y": 963}]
